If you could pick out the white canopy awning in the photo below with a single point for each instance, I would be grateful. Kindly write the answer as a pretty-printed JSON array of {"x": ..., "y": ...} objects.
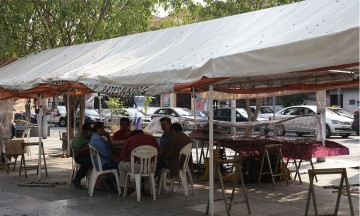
[{"x": 273, "y": 47}]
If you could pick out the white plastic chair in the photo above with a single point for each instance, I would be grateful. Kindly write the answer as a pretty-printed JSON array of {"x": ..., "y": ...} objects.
[
  {"x": 96, "y": 173},
  {"x": 25, "y": 136},
  {"x": 184, "y": 170},
  {"x": 148, "y": 156}
]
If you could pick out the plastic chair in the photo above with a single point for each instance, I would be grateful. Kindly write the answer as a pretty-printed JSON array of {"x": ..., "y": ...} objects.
[
  {"x": 146, "y": 168},
  {"x": 25, "y": 136},
  {"x": 96, "y": 173},
  {"x": 184, "y": 170}
]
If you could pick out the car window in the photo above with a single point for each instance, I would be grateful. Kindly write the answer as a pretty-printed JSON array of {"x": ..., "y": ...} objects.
[
  {"x": 171, "y": 112},
  {"x": 242, "y": 112},
  {"x": 89, "y": 112},
  {"x": 307, "y": 111},
  {"x": 266, "y": 110},
  {"x": 184, "y": 112},
  {"x": 290, "y": 111},
  {"x": 161, "y": 111},
  {"x": 61, "y": 109}
]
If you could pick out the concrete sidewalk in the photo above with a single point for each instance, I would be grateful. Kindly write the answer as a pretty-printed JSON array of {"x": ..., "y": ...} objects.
[{"x": 66, "y": 200}]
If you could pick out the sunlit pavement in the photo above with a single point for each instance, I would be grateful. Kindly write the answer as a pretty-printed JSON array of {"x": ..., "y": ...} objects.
[{"x": 264, "y": 199}]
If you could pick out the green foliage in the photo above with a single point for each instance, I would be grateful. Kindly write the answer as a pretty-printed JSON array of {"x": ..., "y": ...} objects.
[
  {"x": 114, "y": 103},
  {"x": 29, "y": 26},
  {"x": 147, "y": 102}
]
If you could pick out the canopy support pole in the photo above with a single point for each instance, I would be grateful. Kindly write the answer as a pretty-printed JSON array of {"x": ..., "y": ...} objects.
[
  {"x": 68, "y": 122},
  {"x": 195, "y": 141},
  {"x": 40, "y": 135},
  {"x": 211, "y": 153}
]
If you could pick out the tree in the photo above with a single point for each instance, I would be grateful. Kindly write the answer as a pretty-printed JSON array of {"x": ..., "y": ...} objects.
[{"x": 30, "y": 26}]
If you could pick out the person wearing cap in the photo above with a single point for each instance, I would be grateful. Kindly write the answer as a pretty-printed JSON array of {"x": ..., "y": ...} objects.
[{"x": 82, "y": 154}]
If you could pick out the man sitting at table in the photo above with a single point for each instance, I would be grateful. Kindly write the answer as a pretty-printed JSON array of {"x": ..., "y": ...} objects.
[
  {"x": 169, "y": 157},
  {"x": 137, "y": 138},
  {"x": 165, "y": 123},
  {"x": 82, "y": 155},
  {"x": 103, "y": 146},
  {"x": 124, "y": 131},
  {"x": 120, "y": 136}
]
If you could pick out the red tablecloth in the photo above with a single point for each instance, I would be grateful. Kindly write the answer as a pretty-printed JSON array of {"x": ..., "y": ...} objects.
[{"x": 298, "y": 149}]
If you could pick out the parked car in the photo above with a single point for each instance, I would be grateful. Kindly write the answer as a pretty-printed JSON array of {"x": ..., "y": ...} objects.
[
  {"x": 224, "y": 114},
  {"x": 176, "y": 112},
  {"x": 58, "y": 116},
  {"x": 265, "y": 112},
  {"x": 91, "y": 116},
  {"x": 355, "y": 124},
  {"x": 335, "y": 123},
  {"x": 21, "y": 116},
  {"x": 130, "y": 113}
]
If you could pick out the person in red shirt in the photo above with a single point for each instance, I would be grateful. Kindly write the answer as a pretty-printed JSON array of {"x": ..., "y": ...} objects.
[
  {"x": 124, "y": 131},
  {"x": 137, "y": 138},
  {"x": 120, "y": 137}
]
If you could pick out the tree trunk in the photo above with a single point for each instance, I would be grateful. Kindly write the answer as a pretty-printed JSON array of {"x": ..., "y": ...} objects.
[
  {"x": 249, "y": 131},
  {"x": 81, "y": 102}
]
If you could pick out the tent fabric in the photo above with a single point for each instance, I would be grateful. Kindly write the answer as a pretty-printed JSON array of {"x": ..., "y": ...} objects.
[{"x": 301, "y": 41}]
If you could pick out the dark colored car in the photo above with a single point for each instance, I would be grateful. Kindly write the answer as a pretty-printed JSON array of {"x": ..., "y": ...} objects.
[
  {"x": 21, "y": 116},
  {"x": 91, "y": 116},
  {"x": 355, "y": 124}
]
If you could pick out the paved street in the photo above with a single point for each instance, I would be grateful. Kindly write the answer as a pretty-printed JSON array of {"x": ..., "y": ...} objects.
[{"x": 264, "y": 199}]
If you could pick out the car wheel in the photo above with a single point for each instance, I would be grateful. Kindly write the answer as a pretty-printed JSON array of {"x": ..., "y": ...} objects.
[
  {"x": 280, "y": 130},
  {"x": 328, "y": 131},
  {"x": 62, "y": 122},
  {"x": 345, "y": 135},
  {"x": 300, "y": 134},
  {"x": 357, "y": 133}
]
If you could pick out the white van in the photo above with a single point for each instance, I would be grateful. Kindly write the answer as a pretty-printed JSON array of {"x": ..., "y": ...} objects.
[{"x": 58, "y": 116}]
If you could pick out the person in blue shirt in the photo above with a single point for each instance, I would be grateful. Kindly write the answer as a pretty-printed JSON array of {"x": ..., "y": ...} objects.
[{"x": 103, "y": 146}]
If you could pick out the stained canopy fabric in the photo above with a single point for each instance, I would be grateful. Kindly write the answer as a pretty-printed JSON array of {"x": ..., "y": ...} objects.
[{"x": 299, "y": 46}]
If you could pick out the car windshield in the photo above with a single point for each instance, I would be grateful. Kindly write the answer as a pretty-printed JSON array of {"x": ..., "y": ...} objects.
[
  {"x": 91, "y": 112},
  {"x": 341, "y": 112},
  {"x": 61, "y": 109},
  {"x": 184, "y": 111},
  {"x": 243, "y": 112},
  {"x": 201, "y": 114}
]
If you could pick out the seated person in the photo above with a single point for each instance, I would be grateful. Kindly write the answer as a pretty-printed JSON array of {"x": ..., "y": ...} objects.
[
  {"x": 124, "y": 131},
  {"x": 137, "y": 138},
  {"x": 120, "y": 136},
  {"x": 169, "y": 157},
  {"x": 103, "y": 146},
  {"x": 81, "y": 153},
  {"x": 165, "y": 123}
]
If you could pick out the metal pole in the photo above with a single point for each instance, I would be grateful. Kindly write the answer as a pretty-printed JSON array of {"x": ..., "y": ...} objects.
[
  {"x": 196, "y": 142},
  {"x": 40, "y": 136},
  {"x": 68, "y": 122},
  {"x": 233, "y": 116},
  {"x": 100, "y": 108},
  {"x": 211, "y": 155},
  {"x": 274, "y": 107},
  {"x": 339, "y": 97}
]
